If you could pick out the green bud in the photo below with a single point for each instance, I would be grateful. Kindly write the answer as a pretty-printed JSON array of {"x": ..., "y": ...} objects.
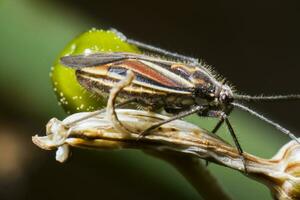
[{"x": 71, "y": 95}]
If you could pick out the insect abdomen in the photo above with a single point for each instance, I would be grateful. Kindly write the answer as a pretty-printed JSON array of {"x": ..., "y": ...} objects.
[{"x": 142, "y": 89}]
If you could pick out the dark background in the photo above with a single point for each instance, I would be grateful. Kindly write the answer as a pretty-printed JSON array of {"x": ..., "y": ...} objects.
[{"x": 254, "y": 44}]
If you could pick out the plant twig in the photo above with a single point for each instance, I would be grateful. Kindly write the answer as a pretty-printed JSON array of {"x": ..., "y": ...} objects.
[
  {"x": 280, "y": 173},
  {"x": 195, "y": 173}
]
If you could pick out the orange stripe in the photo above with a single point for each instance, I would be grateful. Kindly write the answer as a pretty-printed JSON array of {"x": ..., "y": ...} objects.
[
  {"x": 146, "y": 71},
  {"x": 135, "y": 66},
  {"x": 98, "y": 70}
]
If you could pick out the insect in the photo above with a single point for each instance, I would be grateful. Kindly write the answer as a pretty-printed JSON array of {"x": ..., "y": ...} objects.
[{"x": 178, "y": 84}]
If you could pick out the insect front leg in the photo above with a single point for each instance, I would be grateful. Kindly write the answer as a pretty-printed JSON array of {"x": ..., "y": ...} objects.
[
  {"x": 224, "y": 117},
  {"x": 221, "y": 121}
]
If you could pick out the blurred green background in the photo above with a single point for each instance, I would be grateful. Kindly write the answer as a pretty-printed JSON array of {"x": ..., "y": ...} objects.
[{"x": 254, "y": 45}]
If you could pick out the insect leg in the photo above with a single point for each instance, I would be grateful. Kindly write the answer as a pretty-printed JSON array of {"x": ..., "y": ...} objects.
[
  {"x": 216, "y": 128},
  {"x": 221, "y": 121},
  {"x": 97, "y": 112},
  {"x": 223, "y": 116},
  {"x": 218, "y": 125},
  {"x": 237, "y": 144},
  {"x": 193, "y": 110},
  {"x": 154, "y": 49},
  {"x": 111, "y": 112}
]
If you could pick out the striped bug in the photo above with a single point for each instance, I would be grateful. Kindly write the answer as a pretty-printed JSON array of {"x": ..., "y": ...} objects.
[{"x": 178, "y": 84}]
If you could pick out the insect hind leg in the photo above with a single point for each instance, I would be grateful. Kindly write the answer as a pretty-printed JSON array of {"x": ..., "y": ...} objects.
[
  {"x": 191, "y": 111},
  {"x": 111, "y": 112},
  {"x": 97, "y": 112}
]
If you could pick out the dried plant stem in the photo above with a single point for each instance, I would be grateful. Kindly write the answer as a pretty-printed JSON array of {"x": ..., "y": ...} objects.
[{"x": 177, "y": 142}]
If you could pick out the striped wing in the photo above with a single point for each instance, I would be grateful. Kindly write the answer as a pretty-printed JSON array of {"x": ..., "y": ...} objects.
[{"x": 151, "y": 74}]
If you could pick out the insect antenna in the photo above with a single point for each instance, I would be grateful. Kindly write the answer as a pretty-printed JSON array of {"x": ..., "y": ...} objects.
[
  {"x": 263, "y": 118},
  {"x": 267, "y": 98}
]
